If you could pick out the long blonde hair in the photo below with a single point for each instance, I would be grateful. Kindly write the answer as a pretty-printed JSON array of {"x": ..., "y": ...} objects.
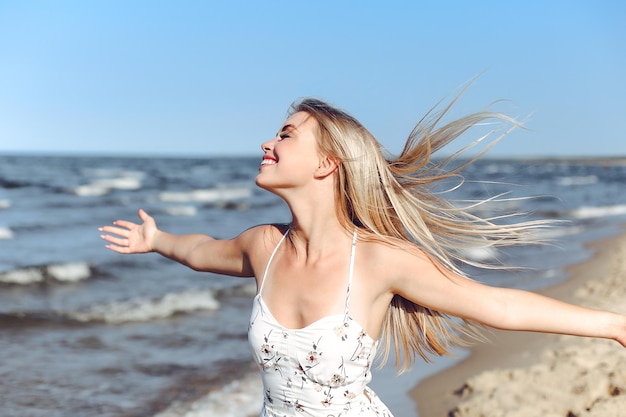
[{"x": 394, "y": 198}]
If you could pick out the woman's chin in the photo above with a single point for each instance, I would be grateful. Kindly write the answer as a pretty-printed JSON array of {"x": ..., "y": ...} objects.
[{"x": 261, "y": 183}]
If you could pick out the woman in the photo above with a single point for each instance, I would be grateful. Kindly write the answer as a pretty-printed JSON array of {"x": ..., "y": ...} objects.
[{"x": 370, "y": 253}]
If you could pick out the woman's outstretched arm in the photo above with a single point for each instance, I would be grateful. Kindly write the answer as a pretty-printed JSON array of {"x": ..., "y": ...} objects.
[
  {"x": 433, "y": 286},
  {"x": 197, "y": 251}
]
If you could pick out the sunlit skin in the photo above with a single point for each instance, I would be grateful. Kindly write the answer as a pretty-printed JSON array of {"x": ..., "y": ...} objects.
[
  {"x": 291, "y": 160},
  {"x": 307, "y": 278}
]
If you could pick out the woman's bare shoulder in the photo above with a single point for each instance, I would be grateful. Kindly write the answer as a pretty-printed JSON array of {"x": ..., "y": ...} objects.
[
  {"x": 262, "y": 238},
  {"x": 390, "y": 246},
  {"x": 390, "y": 256}
]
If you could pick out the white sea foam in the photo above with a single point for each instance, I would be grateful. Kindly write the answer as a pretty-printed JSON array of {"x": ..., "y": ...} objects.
[
  {"x": 589, "y": 212},
  {"x": 23, "y": 276},
  {"x": 125, "y": 180},
  {"x": 141, "y": 310},
  {"x": 64, "y": 272},
  {"x": 5, "y": 203},
  {"x": 209, "y": 195},
  {"x": 181, "y": 210},
  {"x": 580, "y": 180},
  {"x": 121, "y": 183},
  {"x": 481, "y": 254},
  {"x": 6, "y": 233},
  {"x": 91, "y": 190},
  {"x": 240, "y": 398},
  {"x": 69, "y": 272},
  {"x": 558, "y": 232}
]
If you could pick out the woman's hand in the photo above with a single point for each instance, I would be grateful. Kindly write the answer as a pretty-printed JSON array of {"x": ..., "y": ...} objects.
[{"x": 129, "y": 237}]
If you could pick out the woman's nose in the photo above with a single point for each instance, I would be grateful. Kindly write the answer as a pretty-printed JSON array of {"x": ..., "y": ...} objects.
[{"x": 267, "y": 146}]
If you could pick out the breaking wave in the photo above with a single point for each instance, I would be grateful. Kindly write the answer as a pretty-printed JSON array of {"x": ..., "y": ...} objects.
[
  {"x": 147, "y": 309},
  {"x": 6, "y": 233},
  {"x": 240, "y": 398},
  {"x": 124, "y": 180},
  {"x": 206, "y": 196},
  {"x": 588, "y": 212},
  {"x": 63, "y": 272}
]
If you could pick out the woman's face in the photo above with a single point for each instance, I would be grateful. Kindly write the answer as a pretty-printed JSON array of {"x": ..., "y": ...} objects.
[{"x": 291, "y": 158}]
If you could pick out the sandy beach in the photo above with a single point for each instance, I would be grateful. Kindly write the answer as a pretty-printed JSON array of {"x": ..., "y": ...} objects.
[{"x": 521, "y": 374}]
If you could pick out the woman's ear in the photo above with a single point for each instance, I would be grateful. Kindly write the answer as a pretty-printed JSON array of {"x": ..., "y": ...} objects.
[{"x": 326, "y": 167}]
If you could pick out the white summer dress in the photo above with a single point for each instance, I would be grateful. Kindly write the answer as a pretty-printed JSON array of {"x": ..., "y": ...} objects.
[{"x": 321, "y": 370}]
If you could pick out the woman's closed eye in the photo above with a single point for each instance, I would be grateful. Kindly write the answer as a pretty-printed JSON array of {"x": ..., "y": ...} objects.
[{"x": 285, "y": 132}]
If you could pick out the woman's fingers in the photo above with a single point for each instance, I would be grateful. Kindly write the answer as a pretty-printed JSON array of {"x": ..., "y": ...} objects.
[
  {"x": 117, "y": 244},
  {"x": 128, "y": 237},
  {"x": 118, "y": 241},
  {"x": 143, "y": 215},
  {"x": 118, "y": 249},
  {"x": 115, "y": 230},
  {"x": 118, "y": 237},
  {"x": 125, "y": 223}
]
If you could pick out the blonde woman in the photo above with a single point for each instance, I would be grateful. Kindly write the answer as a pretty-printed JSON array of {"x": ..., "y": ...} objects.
[{"x": 370, "y": 253}]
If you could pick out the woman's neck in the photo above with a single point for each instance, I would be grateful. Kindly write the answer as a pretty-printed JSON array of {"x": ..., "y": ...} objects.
[{"x": 315, "y": 227}]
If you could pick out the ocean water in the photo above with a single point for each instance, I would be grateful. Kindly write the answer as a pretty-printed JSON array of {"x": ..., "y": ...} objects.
[{"x": 87, "y": 332}]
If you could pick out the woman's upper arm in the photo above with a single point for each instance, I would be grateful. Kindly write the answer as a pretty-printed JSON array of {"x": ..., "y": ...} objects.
[
  {"x": 424, "y": 281},
  {"x": 430, "y": 285},
  {"x": 228, "y": 256}
]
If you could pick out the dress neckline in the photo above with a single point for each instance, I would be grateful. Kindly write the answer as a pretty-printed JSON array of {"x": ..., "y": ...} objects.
[
  {"x": 345, "y": 315},
  {"x": 259, "y": 299}
]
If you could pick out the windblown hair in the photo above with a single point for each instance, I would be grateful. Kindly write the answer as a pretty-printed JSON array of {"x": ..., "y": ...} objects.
[{"x": 393, "y": 198}]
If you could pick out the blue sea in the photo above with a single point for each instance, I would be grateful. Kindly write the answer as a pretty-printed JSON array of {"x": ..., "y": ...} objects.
[{"x": 88, "y": 332}]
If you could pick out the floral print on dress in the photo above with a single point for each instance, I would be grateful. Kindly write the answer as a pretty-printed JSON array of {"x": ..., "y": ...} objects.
[
  {"x": 321, "y": 370},
  {"x": 316, "y": 371}
]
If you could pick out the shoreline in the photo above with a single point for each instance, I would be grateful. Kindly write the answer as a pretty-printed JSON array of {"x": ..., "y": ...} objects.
[{"x": 518, "y": 373}]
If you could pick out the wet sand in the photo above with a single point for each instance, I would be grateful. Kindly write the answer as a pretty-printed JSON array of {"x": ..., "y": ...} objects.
[{"x": 522, "y": 374}]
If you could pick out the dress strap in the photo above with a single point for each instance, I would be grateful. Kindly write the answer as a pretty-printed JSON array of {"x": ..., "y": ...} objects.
[
  {"x": 267, "y": 267},
  {"x": 351, "y": 272}
]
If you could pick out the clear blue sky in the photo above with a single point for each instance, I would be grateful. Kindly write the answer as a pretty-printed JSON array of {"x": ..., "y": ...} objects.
[{"x": 216, "y": 77}]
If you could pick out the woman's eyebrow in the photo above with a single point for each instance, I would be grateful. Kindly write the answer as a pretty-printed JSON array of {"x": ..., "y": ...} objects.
[{"x": 287, "y": 127}]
